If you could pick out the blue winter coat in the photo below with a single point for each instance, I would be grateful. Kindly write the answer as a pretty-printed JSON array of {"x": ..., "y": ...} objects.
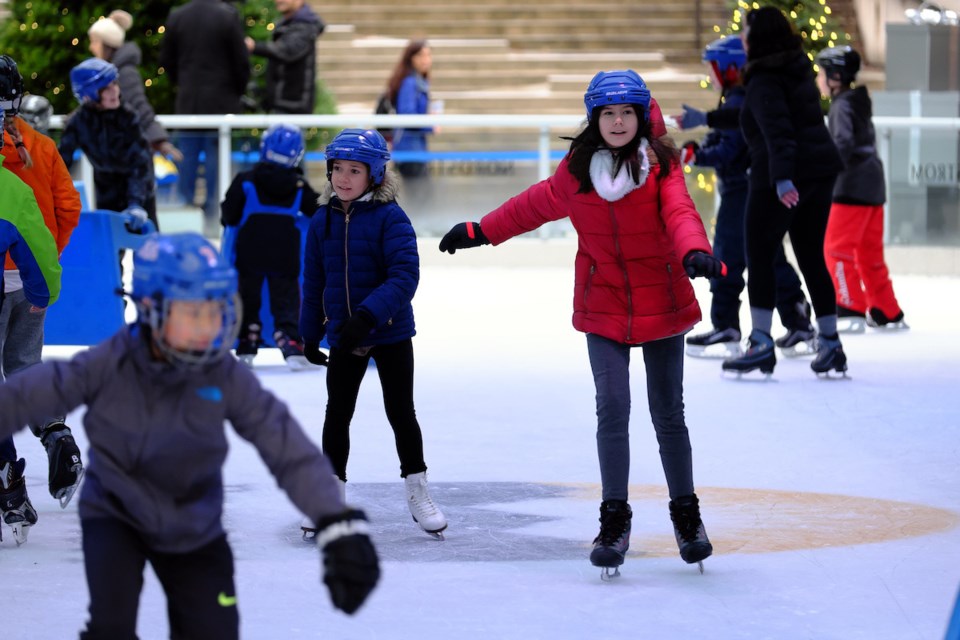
[
  {"x": 366, "y": 260},
  {"x": 413, "y": 98},
  {"x": 725, "y": 149}
]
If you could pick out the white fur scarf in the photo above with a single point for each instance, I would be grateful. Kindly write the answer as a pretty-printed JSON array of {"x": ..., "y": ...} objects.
[{"x": 613, "y": 187}]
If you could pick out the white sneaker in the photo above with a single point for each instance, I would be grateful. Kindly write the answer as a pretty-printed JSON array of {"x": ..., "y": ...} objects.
[{"x": 422, "y": 508}]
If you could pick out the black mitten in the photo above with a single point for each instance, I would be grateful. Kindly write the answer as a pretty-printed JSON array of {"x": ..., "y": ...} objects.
[
  {"x": 313, "y": 354},
  {"x": 698, "y": 263},
  {"x": 356, "y": 329},
  {"x": 351, "y": 568},
  {"x": 463, "y": 236}
]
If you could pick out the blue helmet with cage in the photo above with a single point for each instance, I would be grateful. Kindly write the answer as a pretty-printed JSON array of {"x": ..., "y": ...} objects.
[
  {"x": 11, "y": 85},
  {"x": 727, "y": 56},
  {"x": 282, "y": 144},
  {"x": 89, "y": 77},
  {"x": 184, "y": 267},
  {"x": 360, "y": 145},
  {"x": 617, "y": 87}
]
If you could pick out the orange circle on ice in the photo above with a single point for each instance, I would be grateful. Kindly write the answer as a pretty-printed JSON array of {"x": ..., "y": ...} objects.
[{"x": 765, "y": 520}]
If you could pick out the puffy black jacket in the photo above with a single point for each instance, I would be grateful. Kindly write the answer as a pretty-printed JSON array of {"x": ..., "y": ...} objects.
[
  {"x": 851, "y": 126},
  {"x": 782, "y": 122},
  {"x": 121, "y": 159},
  {"x": 292, "y": 66}
]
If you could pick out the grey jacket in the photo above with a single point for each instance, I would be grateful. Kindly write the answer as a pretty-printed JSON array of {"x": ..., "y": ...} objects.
[
  {"x": 851, "y": 124},
  {"x": 157, "y": 438}
]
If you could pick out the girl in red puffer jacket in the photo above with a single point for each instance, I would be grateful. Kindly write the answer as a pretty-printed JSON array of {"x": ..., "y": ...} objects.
[{"x": 640, "y": 240}]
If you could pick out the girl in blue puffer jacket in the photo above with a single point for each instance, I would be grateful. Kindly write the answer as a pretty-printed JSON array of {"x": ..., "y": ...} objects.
[{"x": 361, "y": 269}]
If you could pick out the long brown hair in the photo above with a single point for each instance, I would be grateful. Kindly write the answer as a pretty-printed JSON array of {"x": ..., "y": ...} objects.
[
  {"x": 588, "y": 141},
  {"x": 404, "y": 68}
]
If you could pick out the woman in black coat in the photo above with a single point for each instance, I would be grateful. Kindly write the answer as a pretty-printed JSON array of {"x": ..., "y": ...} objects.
[{"x": 793, "y": 165}]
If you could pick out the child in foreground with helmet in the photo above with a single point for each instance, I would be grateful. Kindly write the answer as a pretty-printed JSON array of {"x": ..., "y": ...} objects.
[
  {"x": 640, "y": 240},
  {"x": 726, "y": 151},
  {"x": 361, "y": 270},
  {"x": 109, "y": 135},
  {"x": 262, "y": 240},
  {"x": 29, "y": 242},
  {"x": 853, "y": 246},
  {"x": 157, "y": 394}
]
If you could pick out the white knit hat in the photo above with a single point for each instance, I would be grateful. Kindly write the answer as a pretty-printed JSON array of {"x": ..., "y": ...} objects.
[{"x": 108, "y": 31}]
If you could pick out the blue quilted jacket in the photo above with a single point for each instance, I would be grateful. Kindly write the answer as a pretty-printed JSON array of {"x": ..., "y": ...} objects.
[{"x": 365, "y": 260}]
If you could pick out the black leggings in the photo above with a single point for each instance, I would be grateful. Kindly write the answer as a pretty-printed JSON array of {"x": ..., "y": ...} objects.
[
  {"x": 201, "y": 599},
  {"x": 345, "y": 372},
  {"x": 767, "y": 221}
]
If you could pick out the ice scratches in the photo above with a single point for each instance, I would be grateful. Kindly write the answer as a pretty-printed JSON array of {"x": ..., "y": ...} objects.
[{"x": 483, "y": 527}]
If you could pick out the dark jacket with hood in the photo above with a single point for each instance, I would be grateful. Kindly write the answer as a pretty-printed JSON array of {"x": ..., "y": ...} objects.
[
  {"x": 204, "y": 54},
  {"x": 157, "y": 437},
  {"x": 365, "y": 260},
  {"x": 292, "y": 63},
  {"x": 267, "y": 242},
  {"x": 782, "y": 122},
  {"x": 851, "y": 125},
  {"x": 725, "y": 149},
  {"x": 127, "y": 59}
]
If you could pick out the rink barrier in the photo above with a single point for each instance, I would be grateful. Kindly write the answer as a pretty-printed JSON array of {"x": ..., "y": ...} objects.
[{"x": 89, "y": 309}]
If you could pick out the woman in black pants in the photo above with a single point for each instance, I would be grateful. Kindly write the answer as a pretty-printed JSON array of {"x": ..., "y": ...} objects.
[{"x": 793, "y": 165}]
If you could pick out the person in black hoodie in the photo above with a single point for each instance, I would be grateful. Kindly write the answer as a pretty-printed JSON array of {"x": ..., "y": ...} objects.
[
  {"x": 793, "y": 165},
  {"x": 292, "y": 59},
  {"x": 854, "y": 242},
  {"x": 262, "y": 240}
]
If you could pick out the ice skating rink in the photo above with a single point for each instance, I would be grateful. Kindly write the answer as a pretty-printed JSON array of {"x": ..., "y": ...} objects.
[{"x": 833, "y": 506}]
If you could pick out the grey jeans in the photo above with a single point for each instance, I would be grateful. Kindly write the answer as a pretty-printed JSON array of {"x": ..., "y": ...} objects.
[
  {"x": 663, "y": 360},
  {"x": 21, "y": 343}
]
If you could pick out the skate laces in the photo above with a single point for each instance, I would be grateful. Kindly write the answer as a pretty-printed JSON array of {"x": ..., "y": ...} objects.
[
  {"x": 422, "y": 499},
  {"x": 614, "y": 522},
  {"x": 686, "y": 518}
]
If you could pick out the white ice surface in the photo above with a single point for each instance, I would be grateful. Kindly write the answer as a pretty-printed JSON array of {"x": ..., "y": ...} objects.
[{"x": 832, "y": 505}]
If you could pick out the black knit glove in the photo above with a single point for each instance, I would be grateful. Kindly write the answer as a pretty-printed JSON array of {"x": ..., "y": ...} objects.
[
  {"x": 355, "y": 330},
  {"x": 465, "y": 235},
  {"x": 351, "y": 568},
  {"x": 313, "y": 355},
  {"x": 698, "y": 263}
]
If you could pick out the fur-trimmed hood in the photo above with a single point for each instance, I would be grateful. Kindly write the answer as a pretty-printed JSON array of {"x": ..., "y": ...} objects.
[{"x": 386, "y": 192}]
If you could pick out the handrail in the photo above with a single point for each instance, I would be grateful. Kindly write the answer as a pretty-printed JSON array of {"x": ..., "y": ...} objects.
[{"x": 225, "y": 124}]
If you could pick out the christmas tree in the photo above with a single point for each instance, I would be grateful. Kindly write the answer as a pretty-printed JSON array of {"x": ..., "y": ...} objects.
[{"x": 814, "y": 20}]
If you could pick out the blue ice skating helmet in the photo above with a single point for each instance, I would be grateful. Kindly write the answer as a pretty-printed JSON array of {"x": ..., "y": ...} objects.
[
  {"x": 839, "y": 63},
  {"x": 36, "y": 110},
  {"x": 617, "y": 87},
  {"x": 89, "y": 77},
  {"x": 727, "y": 56},
  {"x": 360, "y": 145},
  {"x": 11, "y": 85},
  {"x": 184, "y": 266},
  {"x": 282, "y": 144}
]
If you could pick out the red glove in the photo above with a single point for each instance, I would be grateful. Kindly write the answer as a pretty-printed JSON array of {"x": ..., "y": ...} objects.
[{"x": 688, "y": 153}]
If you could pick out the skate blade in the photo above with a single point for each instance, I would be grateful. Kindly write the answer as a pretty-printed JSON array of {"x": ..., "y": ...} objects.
[
  {"x": 66, "y": 494},
  {"x": 436, "y": 535},
  {"x": 298, "y": 363},
  {"x": 891, "y": 327},
  {"x": 851, "y": 325},
  {"x": 720, "y": 350},
  {"x": 700, "y": 564},
  {"x": 767, "y": 376},
  {"x": 308, "y": 534},
  {"x": 800, "y": 350},
  {"x": 609, "y": 573},
  {"x": 833, "y": 375}
]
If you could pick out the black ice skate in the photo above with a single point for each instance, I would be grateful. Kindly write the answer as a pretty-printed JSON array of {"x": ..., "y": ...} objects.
[
  {"x": 716, "y": 343},
  {"x": 248, "y": 345},
  {"x": 800, "y": 339},
  {"x": 292, "y": 351},
  {"x": 688, "y": 528},
  {"x": 15, "y": 508},
  {"x": 850, "y": 321},
  {"x": 830, "y": 357},
  {"x": 66, "y": 468},
  {"x": 611, "y": 544},
  {"x": 879, "y": 320},
  {"x": 760, "y": 355}
]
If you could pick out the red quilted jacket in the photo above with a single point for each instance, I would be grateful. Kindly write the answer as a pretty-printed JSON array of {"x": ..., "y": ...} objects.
[{"x": 630, "y": 285}]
